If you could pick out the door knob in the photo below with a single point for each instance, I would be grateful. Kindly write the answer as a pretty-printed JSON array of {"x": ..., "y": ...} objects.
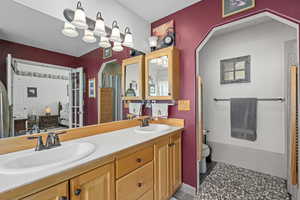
[{"x": 77, "y": 192}]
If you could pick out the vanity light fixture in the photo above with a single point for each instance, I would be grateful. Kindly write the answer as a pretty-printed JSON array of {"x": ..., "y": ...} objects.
[
  {"x": 100, "y": 26},
  {"x": 95, "y": 28},
  {"x": 89, "y": 36},
  {"x": 115, "y": 32},
  {"x": 117, "y": 47},
  {"x": 79, "y": 17},
  {"x": 128, "y": 40},
  {"x": 70, "y": 30},
  {"x": 104, "y": 42}
]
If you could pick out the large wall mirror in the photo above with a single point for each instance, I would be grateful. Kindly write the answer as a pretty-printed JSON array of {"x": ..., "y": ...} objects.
[{"x": 51, "y": 82}]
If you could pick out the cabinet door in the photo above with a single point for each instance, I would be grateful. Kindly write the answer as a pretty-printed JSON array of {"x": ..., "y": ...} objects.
[
  {"x": 94, "y": 185},
  {"x": 133, "y": 78},
  {"x": 58, "y": 192},
  {"x": 161, "y": 170},
  {"x": 175, "y": 163}
]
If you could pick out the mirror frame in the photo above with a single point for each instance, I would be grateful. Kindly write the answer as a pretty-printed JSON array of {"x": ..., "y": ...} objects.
[{"x": 140, "y": 60}]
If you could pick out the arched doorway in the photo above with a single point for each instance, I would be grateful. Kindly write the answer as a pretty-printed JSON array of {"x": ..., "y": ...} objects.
[
  {"x": 109, "y": 87},
  {"x": 227, "y": 29}
]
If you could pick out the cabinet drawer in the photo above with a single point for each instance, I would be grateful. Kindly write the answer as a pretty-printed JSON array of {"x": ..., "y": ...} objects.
[
  {"x": 147, "y": 196},
  {"x": 135, "y": 184},
  {"x": 129, "y": 163}
]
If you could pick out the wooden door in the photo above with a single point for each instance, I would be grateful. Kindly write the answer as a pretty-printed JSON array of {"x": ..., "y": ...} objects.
[
  {"x": 58, "y": 192},
  {"x": 175, "y": 163},
  {"x": 294, "y": 125},
  {"x": 162, "y": 170},
  {"x": 98, "y": 184},
  {"x": 106, "y": 103}
]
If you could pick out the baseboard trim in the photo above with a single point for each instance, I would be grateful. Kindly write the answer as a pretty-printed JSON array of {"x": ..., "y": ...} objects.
[{"x": 187, "y": 189}]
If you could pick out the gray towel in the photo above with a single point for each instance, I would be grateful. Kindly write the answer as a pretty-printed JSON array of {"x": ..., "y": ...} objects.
[{"x": 243, "y": 114}]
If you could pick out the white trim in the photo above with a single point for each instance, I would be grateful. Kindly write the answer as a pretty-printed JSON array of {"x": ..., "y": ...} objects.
[
  {"x": 28, "y": 62},
  {"x": 187, "y": 189},
  {"x": 101, "y": 70}
]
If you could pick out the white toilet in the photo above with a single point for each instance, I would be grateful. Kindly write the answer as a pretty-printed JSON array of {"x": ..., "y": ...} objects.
[{"x": 205, "y": 153}]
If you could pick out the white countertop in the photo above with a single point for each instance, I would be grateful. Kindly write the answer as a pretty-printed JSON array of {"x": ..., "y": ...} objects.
[{"x": 106, "y": 144}]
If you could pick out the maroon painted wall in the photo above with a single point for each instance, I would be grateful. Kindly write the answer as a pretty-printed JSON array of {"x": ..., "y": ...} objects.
[
  {"x": 33, "y": 54},
  {"x": 92, "y": 62},
  {"x": 192, "y": 25}
]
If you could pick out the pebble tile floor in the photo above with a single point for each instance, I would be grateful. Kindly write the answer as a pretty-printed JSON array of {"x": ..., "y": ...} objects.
[{"x": 228, "y": 182}]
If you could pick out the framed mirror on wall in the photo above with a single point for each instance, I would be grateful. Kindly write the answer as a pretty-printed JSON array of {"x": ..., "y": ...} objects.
[{"x": 133, "y": 78}]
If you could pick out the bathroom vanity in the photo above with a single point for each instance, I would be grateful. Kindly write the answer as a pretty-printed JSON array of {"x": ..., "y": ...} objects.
[{"x": 116, "y": 161}]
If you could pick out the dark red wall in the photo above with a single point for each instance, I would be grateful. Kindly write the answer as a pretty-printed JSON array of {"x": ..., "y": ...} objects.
[
  {"x": 92, "y": 62},
  {"x": 33, "y": 54},
  {"x": 192, "y": 25}
]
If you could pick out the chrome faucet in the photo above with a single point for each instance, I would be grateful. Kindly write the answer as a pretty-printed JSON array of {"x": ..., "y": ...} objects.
[
  {"x": 145, "y": 122},
  {"x": 39, "y": 145},
  {"x": 51, "y": 141}
]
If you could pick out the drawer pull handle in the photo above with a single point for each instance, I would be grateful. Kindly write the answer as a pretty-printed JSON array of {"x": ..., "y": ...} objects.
[
  {"x": 139, "y": 160},
  {"x": 63, "y": 198},
  {"x": 140, "y": 184},
  {"x": 77, "y": 192},
  {"x": 172, "y": 144}
]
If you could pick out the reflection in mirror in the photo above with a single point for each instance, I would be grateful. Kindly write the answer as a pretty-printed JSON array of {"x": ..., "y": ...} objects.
[
  {"x": 44, "y": 75},
  {"x": 131, "y": 80},
  {"x": 158, "y": 77}
]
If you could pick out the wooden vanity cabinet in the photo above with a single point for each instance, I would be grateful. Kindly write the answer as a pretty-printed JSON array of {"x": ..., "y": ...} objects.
[
  {"x": 167, "y": 170},
  {"x": 162, "y": 77},
  {"x": 98, "y": 184},
  {"x": 133, "y": 73},
  {"x": 57, "y": 192},
  {"x": 150, "y": 171}
]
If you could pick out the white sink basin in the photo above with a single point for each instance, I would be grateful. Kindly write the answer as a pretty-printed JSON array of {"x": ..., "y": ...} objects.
[
  {"x": 153, "y": 128},
  {"x": 34, "y": 161}
]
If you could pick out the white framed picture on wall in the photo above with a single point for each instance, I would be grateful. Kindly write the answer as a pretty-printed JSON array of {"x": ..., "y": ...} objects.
[{"x": 92, "y": 88}]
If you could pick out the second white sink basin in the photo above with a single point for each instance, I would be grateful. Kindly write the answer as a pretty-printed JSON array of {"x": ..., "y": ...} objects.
[
  {"x": 153, "y": 128},
  {"x": 34, "y": 161}
]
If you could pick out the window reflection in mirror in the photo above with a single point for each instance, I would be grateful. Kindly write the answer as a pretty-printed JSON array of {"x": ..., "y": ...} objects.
[
  {"x": 131, "y": 80},
  {"x": 158, "y": 77}
]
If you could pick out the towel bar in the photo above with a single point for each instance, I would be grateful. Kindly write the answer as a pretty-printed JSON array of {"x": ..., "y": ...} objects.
[{"x": 265, "y": 99}]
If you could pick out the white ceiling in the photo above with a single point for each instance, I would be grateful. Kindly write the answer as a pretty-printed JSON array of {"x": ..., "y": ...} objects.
[
  {"x": 24, "y": 25},
  {"x": 152, "y": 10}
]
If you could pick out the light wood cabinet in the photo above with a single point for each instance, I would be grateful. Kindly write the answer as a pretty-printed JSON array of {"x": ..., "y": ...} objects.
[
  {"x": 175, "y": 163},
  {"x": 152, "y": 171},
  {"x": 162, "y": 74},
  {"x": 167, "y": 171},
  {"x": 133, "y": 161},
  {"x": 135, "y": 184},
  {"x": 58, "y": 192},
  {"x": 162, "y": 170},
  {"x": 98, "y": 184},
  {"x": 133, "y": 73}
]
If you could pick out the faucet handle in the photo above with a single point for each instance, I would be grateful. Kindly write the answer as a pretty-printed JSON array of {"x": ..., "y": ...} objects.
[
  {"x": 40, "y": 145},
  {"x": 50, "y": 140},
  {"x": 56, "y": 141}
]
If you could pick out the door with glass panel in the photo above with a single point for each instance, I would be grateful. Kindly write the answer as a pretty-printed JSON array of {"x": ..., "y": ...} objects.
[{"x": 76, "y": 92}]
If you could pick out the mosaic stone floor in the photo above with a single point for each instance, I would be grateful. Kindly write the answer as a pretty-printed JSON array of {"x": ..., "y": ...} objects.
[{"x": 227, "y": 182}]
